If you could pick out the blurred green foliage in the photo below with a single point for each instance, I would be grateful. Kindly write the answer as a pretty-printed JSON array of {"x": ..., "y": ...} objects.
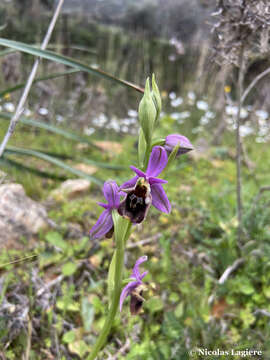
[{"x": 190, "y": 250}]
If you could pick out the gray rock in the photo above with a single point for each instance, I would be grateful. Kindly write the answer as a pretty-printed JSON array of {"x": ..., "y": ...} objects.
[{"x": 20, "y": 216}]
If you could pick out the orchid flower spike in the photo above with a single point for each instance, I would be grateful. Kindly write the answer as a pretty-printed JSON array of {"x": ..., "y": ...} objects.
[
  {"x": 135, "y": 288},
  {"x": 145, "y": 188},
  {"x": 104, "y": 225},
  {"x": 173, "y": 140}
]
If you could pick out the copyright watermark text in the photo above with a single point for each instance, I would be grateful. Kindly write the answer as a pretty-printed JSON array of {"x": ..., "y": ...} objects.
[{"x": 233, "y": 352}]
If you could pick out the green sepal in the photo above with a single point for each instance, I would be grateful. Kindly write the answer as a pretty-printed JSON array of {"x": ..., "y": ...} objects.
[
  {"x": 156, "y": 97},
  {"x": 171, "y": 158},
  {"x": 158, "y": 141},
  {"x": 147, "y": 113}
]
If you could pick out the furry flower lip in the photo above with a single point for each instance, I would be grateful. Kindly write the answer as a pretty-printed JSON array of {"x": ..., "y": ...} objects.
[
  {"x": 135, "y": 288},
  {"x": 174, "y": 139},
  {"x": 104, "y": 225},
  {"x": 137, "y": 202},
  {"x": 157, "y": 162}
]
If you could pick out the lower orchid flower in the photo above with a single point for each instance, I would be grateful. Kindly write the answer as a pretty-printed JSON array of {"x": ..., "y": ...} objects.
[
  {"x": 104, "y": 225},
  {"x": 135, "y": 288},
  {"x": 145, "y": 188}
]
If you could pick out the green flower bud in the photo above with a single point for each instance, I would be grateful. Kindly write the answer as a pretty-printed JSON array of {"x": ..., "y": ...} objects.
[
  {"x": 147, "y": 114},
  {"x": 156, "y": 96}
]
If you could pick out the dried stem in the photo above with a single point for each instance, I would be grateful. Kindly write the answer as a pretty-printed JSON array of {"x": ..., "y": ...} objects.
[
  {"x": 254, "y": 83},
  {"x": 19, "y": 109},
  {"x": 238, "y": 145}
]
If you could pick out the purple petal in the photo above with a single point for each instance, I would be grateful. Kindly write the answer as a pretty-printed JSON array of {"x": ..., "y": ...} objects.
[
  {"x": 102, "y": 226},
  {"x": 153, "y": 180},
  {"x": 111, "y": 193},
  {"x": 130, "y": 183},
  {"x": 105, "y": 206},
  {"x": 157, "y": 162},
  {"x": 126, "y": 291},
  {"x": 159, "y": 198},
  {"x": 138, "y": 171},
  {"x": 136, "y": 271},
  {"x": 174, "y": 139},
  {"x": 143, "y": 274}
]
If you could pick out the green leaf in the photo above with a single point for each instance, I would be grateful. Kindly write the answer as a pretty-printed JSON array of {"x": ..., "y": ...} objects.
[
  {"x": 56, "y": 239},
  {"x": 245, "y": 286},
  {"x": 69, "y": 337},
  {"x": 52, "y": 160},
  {"x": 154, "y": 304},
  {"x": 48, "y": 127},
  {"x": 87, "y": 312},
  {"x": 69, "y": 268},
  {"x": 50, "y": 55},
  {"x": 179, "y": 310},
  {"x": 43, "y": 78}
]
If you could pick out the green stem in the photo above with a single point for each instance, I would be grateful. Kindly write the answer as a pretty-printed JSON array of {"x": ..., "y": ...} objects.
[{"x": 120, "y": 250}]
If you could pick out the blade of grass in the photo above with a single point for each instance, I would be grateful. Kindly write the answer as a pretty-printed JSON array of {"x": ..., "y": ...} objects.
[
  {"x": 43, "y": 78},
  {"x": 6, "y": 161},
  {"x": 51, "y": 128},
  {"x": 31, "y": 77},
  {"x": 50, "y": 55},
  {"x": 38, "y": 154}
]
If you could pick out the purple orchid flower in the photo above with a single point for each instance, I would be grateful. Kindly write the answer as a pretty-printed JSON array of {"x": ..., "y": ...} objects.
[
  {"x": 135, "y": 288},
  {"x": 104, "y": 225},
  {"x": 157, "y": 162},
  {"x": 174, "y": 139}
]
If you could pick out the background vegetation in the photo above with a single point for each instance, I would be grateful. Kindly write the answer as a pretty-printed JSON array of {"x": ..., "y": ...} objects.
[{"x": 63, "y": 287}]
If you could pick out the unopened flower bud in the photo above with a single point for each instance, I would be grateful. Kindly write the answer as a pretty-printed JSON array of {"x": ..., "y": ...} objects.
[
  {"x": 156, "y": 96},
  {"x": 147, "y": 113}
]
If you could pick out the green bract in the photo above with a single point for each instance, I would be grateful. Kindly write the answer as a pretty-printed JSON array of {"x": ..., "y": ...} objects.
[
  {"x": 147, "y": 113},
  {"x": 156, "y": 96}
]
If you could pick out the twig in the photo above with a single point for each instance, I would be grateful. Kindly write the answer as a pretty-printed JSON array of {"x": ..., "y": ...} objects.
[
  {"x": 238, "y": 145},
  {"x": 121, "y": 351},
  {"x": 230, "y": 270},
  {"x": 50, "y": 284},
  {"x": 29, "y": 339},
  {"x": 253, "y": 83},
  {"x": 262, "y": 312},
  {"x": 258, "y": 196},
  {"x": 19, "y": 109},
  {"x": 143, "y": 242}
]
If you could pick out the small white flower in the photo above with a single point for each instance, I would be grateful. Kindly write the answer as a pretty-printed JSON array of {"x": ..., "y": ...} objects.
[
  {"x": 262, "y": 114},
  {"x": 172, "y": 95},
  {"x": 202, "y": 105},
  {"x": 59, "y": 118},
  {"x": 204, "y": 120},
  {"x": 9, "y": 107},
  {"x": 209, "y": 114},
  {"x": 231, "y": 110},
  {"x": 88, "y": 131},
  {"x": 43, "y": 111},
  {"x": 245, "y": 130},
  {"x": 191, "y": 95},
  {"x": 184, "y": 115},
  {"x": 176, "y": 102},
  {"x": 27, "y": 112},
  {"x": 132, "y": 113}
]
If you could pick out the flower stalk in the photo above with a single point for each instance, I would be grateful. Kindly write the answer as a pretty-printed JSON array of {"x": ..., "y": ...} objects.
[{"x": 122, "y": 231}]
